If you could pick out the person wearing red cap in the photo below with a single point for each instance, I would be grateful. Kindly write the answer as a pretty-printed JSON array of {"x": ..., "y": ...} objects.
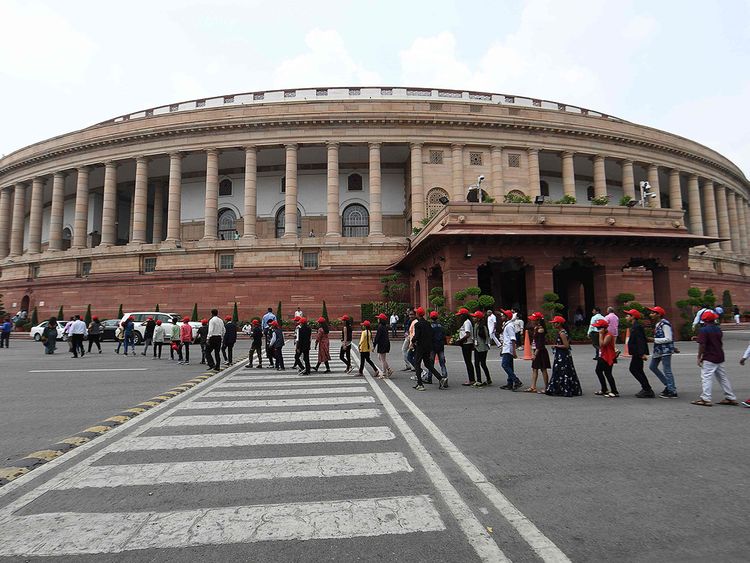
[
  {"x": 481, "y": 336},
  {"x": 174, "y": 344},
  {"x": 322, "y": 345},
  {"x": 345, "y": 351},
  {"x": 229, "y": 340},
  {"x": 186, "y": 337},
  {"x": 304, "y": 339},
  {"x": 422, "y": 344},
  {"x": 95, "y": 334},
  {"x": 564, "y": 379},
  {"x": 276, "y": 344},
  {"x": 711, "y": 361},
  {"x": 467, "y": 344},
  {"x": 297, "y": 350},
  {"x": 158, "y": 339},
  {"x": 638, "y": 349},
  {"x": 438, "y": 345},
  {"x": 407, "y": 348},
  {"x": 383, "y": 345},
  {"x": 540, "y": 360},
  {"x": 215, "y": 336},
  {"x": 606, "y": 360},
  {"x": 256, "y": 344},
  {"x": 201, "y": 338},
  {"x": 663, "y": 350},
  {"x": 365, "y": 348},
  {"x": 148, "y": 335},
  {"x": 508, "y": 351},
  {"x": 596, "y": 315}
]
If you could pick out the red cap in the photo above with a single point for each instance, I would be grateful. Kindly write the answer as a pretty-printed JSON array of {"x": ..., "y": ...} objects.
[
  {"x": 148, "y": 319},
  {"x": 508, "y": 314},
  {"x": 420, "y": 311},
  {"x": 274, "y": 323},
  {"x": 659, "y": 310},
  {"x": 94, "y": 318},
  {"x": 463, "y": 311},
  {"x": 535, "y": 316},
  {"x": 131, "y": 318},
  {"x": 558, "y": 319},
  {"x": 434, "y": 314},
  {"x": 601, "y": 323},
  {"x": 478, "y": 315},
  {"x": 302, "y": 320},
  {"x": 634, "y": 313},
  {"x": 204, "y": 321},
  {"x": 158, "y": 322},
  {"x": 228, "y": 318},
  {"x": 296, "y": 318},
  {"x": 185, "y": 319},
  {"x": 382, "y": 316},
  {"x": 345, "y": 318},
  {"x": 366, "y": 323},
  {"x": 321, "y": 319},
  {"x": 256, "y": 322},
  {"x": 709, "y": 316}
]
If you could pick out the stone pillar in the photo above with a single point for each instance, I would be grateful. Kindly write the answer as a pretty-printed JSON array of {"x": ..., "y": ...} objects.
[
  {"x": 5, "y": 219},
  {"x": 497, "y": 189},
  {"x": 174, "y": 205},
  {"x": 211, "y": 208},
  {"x": 109, "y": 205},
  {"x": 675, "y": 193},
  {"x": 251, "y": 192},
  {"x": 157, "y": 229},
  {"x": 457, "y": 165},
  {"x": 694, "y": 206},
  {"x": 376, "y": 205},
  {"x": 140, "y": 201},
  {"x": 81, "y": 222},
  {"x": 538, "y": 282},
  {"x": 600, "y": 178},
  {"x": 672, "y": 284},
  {"x": 290, "y": 201},
  {"x": 709, "y": 206},
  {"x": 56, "y": 212},
  {"x": 653, "y": 179},
  {"x": 333, "y": 218},
  {"x": 628, "y": 179},
  {"x": 417, "y": 186},
  {"x": 534, "y": 181},
  {"x": 742, "y": 219},
  {"x": 722, "y": 215},
  {"x": 16, "y": 228},
  {"x": 131, "y": 220},
  {"x": 35, "y": 217},
  {"x": 568, "y": 174},
  {"x": 734, "y": 222}
]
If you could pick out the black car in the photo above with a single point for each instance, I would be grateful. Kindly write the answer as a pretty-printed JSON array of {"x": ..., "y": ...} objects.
[{"x": 108, "y": 329}]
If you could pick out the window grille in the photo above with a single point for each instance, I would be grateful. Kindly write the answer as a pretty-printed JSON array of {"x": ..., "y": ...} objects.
[
  {"x": 226, "y": 261},
  {"x": 310, "y": 260},
  {"x": 475, "y": 158},
  {"x": 514, "y": 161},
  {"x": 436, "y": 157},
  {"x": 149, "y": 265},
  {"x": 356, "y": 221}
]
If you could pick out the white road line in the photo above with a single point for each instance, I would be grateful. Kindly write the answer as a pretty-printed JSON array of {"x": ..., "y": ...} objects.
[
  {"x": 233, "y": 439},
  {"x": 282, "y": 392},
  {"x": 284, "y": 376},
  {"x": 65, "y": 533},
  {"x": 268, "y": 417},
  {"x": 541, "y": 544},
  {"x": 476, "y": 534},
  {"x": 275, "y": 403},
  {"x": 225, "y": 470},
  {"x": 84, "y": 370},
  {"x": 250, "y": 383}
]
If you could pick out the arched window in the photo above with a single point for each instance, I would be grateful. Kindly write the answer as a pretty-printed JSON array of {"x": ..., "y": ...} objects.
[
  {"x": 67, "y": 238},
  {"x": 226, "y": 222},
  {"x": 225, "y": 187},
  {"x": 516, "y": 193},
  {"x": 354, "y": 182},
  {"x": 433, "y": 200},
  {"x": 355, "y": 221},
  {"x": 281, "y": 222},
  {"x": 544, "y": 188},
  {"x": 590, "y": 193}
]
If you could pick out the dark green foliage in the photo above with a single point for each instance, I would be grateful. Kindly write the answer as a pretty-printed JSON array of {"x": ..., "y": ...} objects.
[
  {"x": 551, "y": 305},
  {"x": 695, "y": 300},
  {"x": 194, "y": 316},
  {"x": 278, "y": 312},
  {"x": 324, "y": 313},
  {"x": 87, "y": 318},
  {"x": 394, "y": 287},
  {"x": 726, "y": 303},
  {"x": 235, "y": 313},
  {"x": 369, "y": 310},
  {"x": 156, "y": 308},
  {"x": 61, "y": 313},
  {"x": 34, "y": 317},
  {"x": 119, "y": 312}
]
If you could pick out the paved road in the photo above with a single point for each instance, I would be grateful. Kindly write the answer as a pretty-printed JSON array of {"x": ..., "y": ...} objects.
[{"x": 257, "y": 465}]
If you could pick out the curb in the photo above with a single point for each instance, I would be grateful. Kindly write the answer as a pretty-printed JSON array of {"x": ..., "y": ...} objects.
[{"x": 22, "y": 466}]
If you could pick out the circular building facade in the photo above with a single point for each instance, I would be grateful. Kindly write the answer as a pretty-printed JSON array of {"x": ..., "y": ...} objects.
[{"x": 307, "y": 195}]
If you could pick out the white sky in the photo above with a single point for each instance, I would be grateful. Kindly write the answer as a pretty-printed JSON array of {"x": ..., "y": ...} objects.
[{"x": 678, "y": 65}]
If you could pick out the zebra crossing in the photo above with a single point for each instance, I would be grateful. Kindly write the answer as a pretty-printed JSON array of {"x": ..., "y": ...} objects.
[{"x": 256, "y": 458}]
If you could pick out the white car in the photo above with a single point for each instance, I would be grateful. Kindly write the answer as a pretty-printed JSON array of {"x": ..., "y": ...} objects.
[
  {"x": 36, "y": 331},
  {"x": 167, "y": 321}
]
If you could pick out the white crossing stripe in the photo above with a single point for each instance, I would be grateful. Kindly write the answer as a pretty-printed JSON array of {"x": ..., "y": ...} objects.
[
  {"x": 66, "y": 533},
  {"x": 293, "y": 377},
  {"x": 307, "y": 436},
  {"x": 194, "y": 404},
  {"x": 269, "y": 417},
  {"x": 239, "y": 469},
  {"x": 281, "y": 392},
  {"x": 234, "y": 382}
]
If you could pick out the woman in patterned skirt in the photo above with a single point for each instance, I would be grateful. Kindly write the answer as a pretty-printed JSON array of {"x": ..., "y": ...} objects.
[
  {"x": 540, "y": 362},
  {"x": 564, "y": 381},
  {"x": 323, "y": 345}
]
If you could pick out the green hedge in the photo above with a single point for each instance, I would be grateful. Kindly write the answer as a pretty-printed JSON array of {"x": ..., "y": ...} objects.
[{"x": 368, "y": 311}]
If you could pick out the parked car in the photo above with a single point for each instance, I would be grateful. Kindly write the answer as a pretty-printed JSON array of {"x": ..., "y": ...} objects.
[
  {"x": 108, "y": 329},
  {"x": 167, "y": 321},
  {"x": 36, "y": 331}
]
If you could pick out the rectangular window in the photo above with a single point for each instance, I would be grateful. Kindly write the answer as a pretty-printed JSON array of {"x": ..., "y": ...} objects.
[
  {"x": 310, "y": 260},
  {"x": 35, "y": 269},
  {"x": 226, "y": 261},
  {"x": 149, "y": 265},
  {"x": 225, "y": 187},
  {"x": 283, "y": 184},
  {"x": 475, "y": 158},
  {"x": 514, "y": 161},
  {"x": 85, "y": 269},
  {"x": 436, "y": 157}
]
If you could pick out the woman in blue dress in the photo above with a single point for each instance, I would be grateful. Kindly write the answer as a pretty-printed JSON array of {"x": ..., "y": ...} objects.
[{"x": 564, "y": 381}]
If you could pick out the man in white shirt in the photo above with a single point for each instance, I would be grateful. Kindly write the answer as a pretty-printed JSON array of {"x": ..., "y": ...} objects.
[
  {"x": 593, "y": 332},
  {"x": 298, "y": 313},
  {"x": 77, "y": 331},
  {"x": 508, "y": 352},
  {"x": 394, "y": 324},
  {"x": 215, "y": 336},
  {"x": 491, "y": 324},
  {"x": 467, "y": 344}
]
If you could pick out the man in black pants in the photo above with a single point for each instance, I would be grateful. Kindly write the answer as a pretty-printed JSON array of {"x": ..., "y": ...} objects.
[
  {"x": 422, "y": 344},
  {"x": 467, "y": 344},
  {"x": 638, "y": 350},
  {"x": 215, "y": 336},
  {"x": 304, "y": 337},
  {"x": 257, "y": 335}
]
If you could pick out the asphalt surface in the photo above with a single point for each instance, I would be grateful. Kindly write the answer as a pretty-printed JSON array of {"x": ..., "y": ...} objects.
[{"x": 600, "y": 479}]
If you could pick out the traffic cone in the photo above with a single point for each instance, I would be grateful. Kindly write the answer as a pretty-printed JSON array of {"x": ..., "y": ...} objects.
[
  {"x": 527, "y": 346},
  {"x": 625, "y": 353}
]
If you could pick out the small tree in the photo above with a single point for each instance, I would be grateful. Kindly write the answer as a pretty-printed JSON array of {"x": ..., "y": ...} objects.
[
  {"x": 278, "y": 312},
  {"x": 194, "y": 316},
  {"x": 235, "y": 313},
  {"x": 34, "y": 317},
  {"x": 156, "y": 308},
  {"x": 87, "y": 318},
  {"x": 726, "y": 303},
  {"x": 324, "y": 313},
  {"x": 551, "y": 305},
  {"x": 61, "y": 313},
  {"x": 695, "y": 300},
  {"x": 394, "y": 287},
  {"x": 119, "y": 311}
]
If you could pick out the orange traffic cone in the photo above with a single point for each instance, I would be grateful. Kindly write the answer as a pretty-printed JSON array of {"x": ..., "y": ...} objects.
[
  {"x": 625, "y": 353},
  {"x": 527, "y": 346}
]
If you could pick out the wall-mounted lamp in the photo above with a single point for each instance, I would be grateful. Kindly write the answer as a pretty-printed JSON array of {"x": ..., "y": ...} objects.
[
  {"x": 702, "y": 252},
  {"x": 677, "y": 257},
  {"x": 468, "y": 253},
  {"x": 539, "y": 200},
  {"x": 443, "y": 200}
]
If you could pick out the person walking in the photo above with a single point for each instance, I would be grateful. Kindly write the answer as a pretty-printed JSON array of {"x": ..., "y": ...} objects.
[
  {"x": 304, "y": 338},
  {"x": 605, "y": 361},
  {"x": 159, "y": 338},
  {"x": 49, "y": 336},
  {"x": 406, "y": 346},
  {"x": 540, "y": 360},
  {"x": 365, "y": 348},
  {"x": 736, "y": 314},
  {"x": 508, "y": 352},
  {"x": 663, "y": 350},
  {"x": 519, "y": 326},
  {"x": 256, "y": 346},
  {"x": 711, "y": 361},
  {"x": 345, "y": 352},
  {"x": 438, "y": 345},
  {"x": 745, "y": 356},
  {"x": 322, "y": 345},
  {"x": 383, "y": 345},
  {"x": 467, "y": 344},
  {"x": 230, "y": 339},
  {"x": 128, "y": 330},
  {"x": 297, "y": 351},
  {"x": 564, "y": 380},
  {"x": 95, "y": 334},
  {"x": 5, "y": 329},
  {"x": 119, "y": 336},
  {"x": 481, "y": 338},
  {"x": 394, "y": 324},
  {"x": 638, "y": 350},
  {"x": 614, "y": 323},
  {"x": 492, "y": 327},
  {"x": 201, "y": 338},
  {"x": 422, "y": 344},
  {"x": 175, "y": 343},
  {"x": 77, "y": 334},
  {"x": 596, "y": 315},
  {"x": 276, "y": 344},
  {"x": 215, "y": 337},
  {"x": 148, "y": 335},
  {"x": 265, "y": 324},
  {"x": 186, "y": 337}
]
